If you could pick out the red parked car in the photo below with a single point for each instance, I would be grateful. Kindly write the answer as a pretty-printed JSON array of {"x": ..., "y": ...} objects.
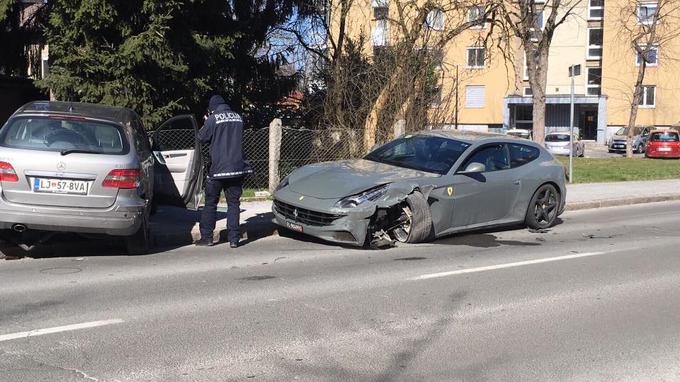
[{"x": 663, "y": 144}]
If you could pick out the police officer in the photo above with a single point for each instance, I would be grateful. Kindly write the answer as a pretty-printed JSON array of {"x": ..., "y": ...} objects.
[{"x": 223, "y": 130}]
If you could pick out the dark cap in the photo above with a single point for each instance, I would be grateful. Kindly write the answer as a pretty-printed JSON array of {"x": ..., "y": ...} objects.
[{"x": 215, "y": 101}]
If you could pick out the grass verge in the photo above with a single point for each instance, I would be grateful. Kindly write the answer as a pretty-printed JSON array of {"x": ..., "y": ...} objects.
[{"x": 595, "y": 170}]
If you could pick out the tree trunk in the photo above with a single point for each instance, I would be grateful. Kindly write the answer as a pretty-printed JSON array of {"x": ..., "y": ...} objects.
[
  {"x": 637, "y": 97},
  {"x": 538, "y": 78}
]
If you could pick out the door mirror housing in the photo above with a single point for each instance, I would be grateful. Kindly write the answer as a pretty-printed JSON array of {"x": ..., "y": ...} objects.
[{"x": 473, "y": 168}]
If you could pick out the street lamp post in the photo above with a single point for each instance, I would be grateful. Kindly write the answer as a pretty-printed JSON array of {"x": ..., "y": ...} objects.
[{"x": 574, "y": 70}]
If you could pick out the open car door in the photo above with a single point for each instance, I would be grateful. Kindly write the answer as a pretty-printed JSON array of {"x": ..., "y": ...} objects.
[{"x": 178, "y": 178}]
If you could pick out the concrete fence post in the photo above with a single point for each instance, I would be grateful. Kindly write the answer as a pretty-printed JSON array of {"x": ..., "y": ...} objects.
[
  {"x": 399, "y": 128},
  {"x": 275, "y": 136}
]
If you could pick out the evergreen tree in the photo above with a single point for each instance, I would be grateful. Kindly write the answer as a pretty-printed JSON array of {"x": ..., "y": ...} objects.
[{"x": 163, "y": 57}]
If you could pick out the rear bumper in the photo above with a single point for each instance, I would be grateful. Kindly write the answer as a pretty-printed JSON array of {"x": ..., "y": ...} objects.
[
  {"x": 116, "y": 220},
  {"x": 559, "y": 150},
  {"x": 662, "y": 154}
]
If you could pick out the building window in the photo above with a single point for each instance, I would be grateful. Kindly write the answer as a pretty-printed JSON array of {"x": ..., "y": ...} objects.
[
  {"x": 646, "y": 13},
  {"x": 379, "y": 34},
  {"x": 594, "y": 86},
  {"x": 538, "y": 21},
  {"x": 381, "y": 13},
  {"x": 476, "y": 15},
  {"x": 474, "y": 96},
  {"x": 476, "y": 57},
  {"x": 527, "y": 92},
  {"x": 648, "y": 99},
  {"x": 435, "y": 20},
  {"x": 595, "y": 9},
  {"x": 595, "y": 43},
  {"x": 435, "y": 97},
  {"x": 652, "y": 56}
]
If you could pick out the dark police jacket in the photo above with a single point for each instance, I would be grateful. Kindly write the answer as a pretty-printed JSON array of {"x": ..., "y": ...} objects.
[{"x": 224, "y": 131}]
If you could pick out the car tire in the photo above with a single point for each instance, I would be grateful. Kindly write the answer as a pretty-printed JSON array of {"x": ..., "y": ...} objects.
[
  {"x": 417, "y": 226},
  {"x": 537, "y": 217},
  {"x": 139, "y": 243}
]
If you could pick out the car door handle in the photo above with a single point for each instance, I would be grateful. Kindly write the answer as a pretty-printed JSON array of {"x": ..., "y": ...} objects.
[{"x": 517, "y": 182}]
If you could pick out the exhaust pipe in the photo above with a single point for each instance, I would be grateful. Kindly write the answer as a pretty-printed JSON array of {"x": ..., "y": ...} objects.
[{"x": 19, "y": 228}]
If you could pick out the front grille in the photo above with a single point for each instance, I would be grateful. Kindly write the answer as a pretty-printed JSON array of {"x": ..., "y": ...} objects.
[{"x": 305, "y": 216}]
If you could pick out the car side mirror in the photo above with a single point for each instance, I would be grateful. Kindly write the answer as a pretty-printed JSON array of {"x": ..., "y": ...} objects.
[{"x": 473, "y": 168}]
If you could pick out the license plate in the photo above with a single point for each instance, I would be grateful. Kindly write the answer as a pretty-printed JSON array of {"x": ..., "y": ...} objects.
[
  {"x": 619, "y": 146},
  {"x": 294, "y": 227},
  {"x": 664, "y": 149},
  {"x": 61, "y": 186}
]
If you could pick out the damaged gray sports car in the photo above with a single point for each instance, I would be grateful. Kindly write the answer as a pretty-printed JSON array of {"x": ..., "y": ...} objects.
[{"x": 423, "y": 186}]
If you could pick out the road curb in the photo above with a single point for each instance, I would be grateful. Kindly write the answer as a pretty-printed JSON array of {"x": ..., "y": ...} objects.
[{"x": 575, "y": 206}]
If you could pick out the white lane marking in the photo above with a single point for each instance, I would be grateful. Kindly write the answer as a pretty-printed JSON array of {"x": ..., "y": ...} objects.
[
  {"x": 59, "y": 329},
  {"x": 503, "y": 266}
]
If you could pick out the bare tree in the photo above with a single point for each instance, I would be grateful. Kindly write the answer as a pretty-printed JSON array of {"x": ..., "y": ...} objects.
[
  {"x": 400, "y": 80},
  {"x": 534, "y": 23},
  {"x": 648, "y": 28}
]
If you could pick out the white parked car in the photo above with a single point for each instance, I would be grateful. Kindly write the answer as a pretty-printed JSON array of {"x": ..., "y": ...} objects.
[{"x": 558, "y": 144}]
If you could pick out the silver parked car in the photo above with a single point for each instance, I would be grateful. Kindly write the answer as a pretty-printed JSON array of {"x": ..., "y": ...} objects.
[
  {"x": 619, "y": 141},
  {"x": 423, "y": 186},
  {"x": 558, "y": 144},
  {"x": 91, "y": 169}
]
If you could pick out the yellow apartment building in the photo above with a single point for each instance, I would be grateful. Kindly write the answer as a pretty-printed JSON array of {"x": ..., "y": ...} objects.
[
  {"x": 490, "y": 93},
  {"x": 620, "y": 64}
]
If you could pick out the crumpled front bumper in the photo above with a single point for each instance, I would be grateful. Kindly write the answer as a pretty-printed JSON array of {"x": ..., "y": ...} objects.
[{"x": 351, "y": 228}]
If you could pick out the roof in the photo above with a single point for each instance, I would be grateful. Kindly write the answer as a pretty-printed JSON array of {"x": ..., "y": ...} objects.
[
  {"x": 91, "y": 110},
  {"x": 464, "y": 135}
]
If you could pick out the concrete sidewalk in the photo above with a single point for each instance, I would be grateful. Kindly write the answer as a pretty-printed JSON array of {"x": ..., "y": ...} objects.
[{"x": 176, "y": 226}]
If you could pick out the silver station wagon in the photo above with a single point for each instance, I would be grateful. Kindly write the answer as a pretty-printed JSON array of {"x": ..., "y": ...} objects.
[{"x": 92, "y": 169}]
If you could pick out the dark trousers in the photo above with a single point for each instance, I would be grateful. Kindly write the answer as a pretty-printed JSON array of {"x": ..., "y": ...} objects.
[{"x": 233, "y": 187}]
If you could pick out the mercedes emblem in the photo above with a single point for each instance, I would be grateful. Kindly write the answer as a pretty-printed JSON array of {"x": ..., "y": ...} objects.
[{"x": 61, "y": 166}]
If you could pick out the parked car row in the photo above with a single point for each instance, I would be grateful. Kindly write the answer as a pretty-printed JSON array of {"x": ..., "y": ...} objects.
[
  {"x": 92, "y": 169},
  {"x": 619, "y": 141}
]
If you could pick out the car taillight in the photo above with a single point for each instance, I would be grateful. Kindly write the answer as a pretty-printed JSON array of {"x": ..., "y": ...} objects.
[
  {"x": 7, "y": 173},
  {"x": 122, "y": 179}
]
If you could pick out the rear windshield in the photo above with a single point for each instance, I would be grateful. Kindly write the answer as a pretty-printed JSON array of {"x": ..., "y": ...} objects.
[
  {"x": 557, "y": 138},
  {"x": 665, "y": 137},
  {"x": 63, "y": 134}
]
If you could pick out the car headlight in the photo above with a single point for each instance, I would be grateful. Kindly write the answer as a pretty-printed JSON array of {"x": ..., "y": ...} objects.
[
  {"x": 368, "y": 195},
  {"x": 283, "y": 184}
]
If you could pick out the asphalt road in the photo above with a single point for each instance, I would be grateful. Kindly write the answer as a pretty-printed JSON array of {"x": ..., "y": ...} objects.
[{"x": 597, "y": 298}]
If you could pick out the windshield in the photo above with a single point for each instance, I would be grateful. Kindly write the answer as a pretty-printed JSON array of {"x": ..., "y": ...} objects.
[
  {"x": 420, "y": 152},
  {"x": 62, "y": 134},
  {"x": 621, "y": 131},
  {"x": 557, "y": 138},
  {"x": 665, "y": 137}
]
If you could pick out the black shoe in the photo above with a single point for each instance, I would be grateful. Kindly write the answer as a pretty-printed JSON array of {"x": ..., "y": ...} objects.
[
  {"x": 204, "y": 242},
  {"x": 233, "y": 244}
]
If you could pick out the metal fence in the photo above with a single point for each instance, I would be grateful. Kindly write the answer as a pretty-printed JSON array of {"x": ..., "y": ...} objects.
[{"x": 296, "y": 147}]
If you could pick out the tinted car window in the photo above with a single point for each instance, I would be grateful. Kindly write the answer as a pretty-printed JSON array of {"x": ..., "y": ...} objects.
[
  {"x": 494, "y": 158},
  {"x": 57, "y": 134},
  {"x": 420, "y": 152},
  {"x": 141, "y": 139},
  {"x": 522, "y": 154},
  {"x": 665, "y": 137}
]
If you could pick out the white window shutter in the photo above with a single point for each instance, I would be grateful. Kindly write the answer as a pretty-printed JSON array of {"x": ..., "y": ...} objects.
[{"x": 474, "y": 96}]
